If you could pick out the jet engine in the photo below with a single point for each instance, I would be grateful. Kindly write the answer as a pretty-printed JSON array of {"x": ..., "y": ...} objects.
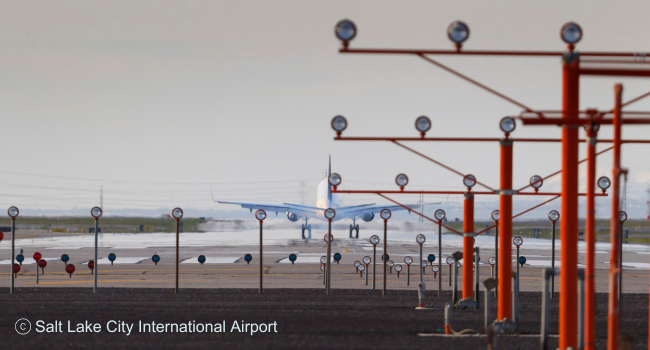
[
  {"x": 368, "y": 217},
  {"x": 293, "y": 217}
]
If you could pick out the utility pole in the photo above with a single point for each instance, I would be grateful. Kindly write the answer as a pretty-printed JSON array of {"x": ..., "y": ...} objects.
[
  {"x": 302, "y": 192},
  {"x": 648, "y": 203}
]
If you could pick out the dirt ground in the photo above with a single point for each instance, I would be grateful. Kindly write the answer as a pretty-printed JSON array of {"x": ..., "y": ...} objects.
[{"x": 303, "y": 318}]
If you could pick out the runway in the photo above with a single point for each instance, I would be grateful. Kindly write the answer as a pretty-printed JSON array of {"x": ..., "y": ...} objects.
[{"x": 226, "y": 268}]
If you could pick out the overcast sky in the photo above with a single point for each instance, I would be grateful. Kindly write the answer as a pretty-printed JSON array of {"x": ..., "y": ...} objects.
[{"x": 161, "y": 101}]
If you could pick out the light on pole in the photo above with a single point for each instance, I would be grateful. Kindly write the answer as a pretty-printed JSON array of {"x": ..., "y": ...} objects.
[
  {"x": 345, "y": 30},
  {"x": 423, "y": 124},
  {"x": 536, "y": 182},
  {"x": 260, "y": 215},
  {"x": 495, "y": 218},
  {"x": 329, "y": 214},
  {"x": 420, "y": 239},
  {"x": 37, "y": 256},
  {"x": 440, "y": 215},
  {"x": 554, "y": 216},
  {"x": 367, "y": 261},
  {"x": 408, "y": 261},
  {"x": 334, "y": 179},
  {"x": 517, "y": 241},
  {"x": 96, "y": 213},
  {"x": 604, "y": 183},
  {"x": 339, "y": 123},
  {"x": 374, "y": 239},
  {"x": 401, "y": 180},
  {"x": 177, "y": 213},
  {"x": 458, "y": 32},
  {"x": 386, "y": 214},
  {"x": 450, "y": 262},
  {"x": 13, "y": 213}
]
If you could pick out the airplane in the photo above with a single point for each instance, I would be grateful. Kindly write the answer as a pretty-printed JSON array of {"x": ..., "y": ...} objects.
[{"x": 326, "y": 199}]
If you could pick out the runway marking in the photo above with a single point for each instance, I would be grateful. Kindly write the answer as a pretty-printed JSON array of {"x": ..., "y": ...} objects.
[{"x": 346, "y": 250}]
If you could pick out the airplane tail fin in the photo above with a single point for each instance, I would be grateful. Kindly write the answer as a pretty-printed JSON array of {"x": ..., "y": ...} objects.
[{"x": 329, "y": 172}]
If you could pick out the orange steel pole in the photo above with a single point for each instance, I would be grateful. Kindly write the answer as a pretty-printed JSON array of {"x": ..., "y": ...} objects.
[
  {"x": 468, "y": 245},
  {"x": 505, "y": 232},
  {"x": 569, "y": 207},
  {"x": 615, "y": 225},
  {"x": 590, "y": 238}
]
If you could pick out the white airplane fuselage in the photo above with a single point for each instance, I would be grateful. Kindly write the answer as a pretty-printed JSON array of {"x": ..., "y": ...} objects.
[{"x": 326, "y": 199}]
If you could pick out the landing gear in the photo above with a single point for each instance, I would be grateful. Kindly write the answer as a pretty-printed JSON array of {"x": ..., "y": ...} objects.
[
  {"x": 354, "y": 227},
  {"x": 308, "y": 228}
]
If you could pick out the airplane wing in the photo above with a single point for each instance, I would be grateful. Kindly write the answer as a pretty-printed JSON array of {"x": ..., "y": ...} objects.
[
  {"x": 350, "y": 212},
  {"x": 303, "y": 211}
]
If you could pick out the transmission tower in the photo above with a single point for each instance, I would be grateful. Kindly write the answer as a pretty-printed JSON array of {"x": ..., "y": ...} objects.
[
  {"x": 648, "y": 204},
  {"x": 302, "y": 192},
  {"x": 420, "y": 218}
]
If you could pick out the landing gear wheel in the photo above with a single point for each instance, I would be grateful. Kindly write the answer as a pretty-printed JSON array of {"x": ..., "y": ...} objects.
[
  {"x": 351, "y": 228},
  {"x": 309, "y": 229},
  {"x": 357, "y": 228},
  {"x": 303, "y": 231}
]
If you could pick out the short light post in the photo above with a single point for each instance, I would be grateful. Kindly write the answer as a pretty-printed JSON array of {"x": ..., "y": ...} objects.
[
  {"x": 435, "y": 270},
  {"x": 37, "y": 257},
  {"x": 492, "y": 260},
  {"x": 440, "y": 215},
  {"x": 431, "y": 258},
  {"x": 13, "y": 213},
  {"x": 420, "y": 239},
  {"x": 337, "y": 257},
  {"x": 360, "y": 268},
  {"x": 42, "y": 264},
  {"x": 554, "y": 216},
  {"x": 408, "y": 261},
  {"x": 398, "y": 269},
  {"x": 329, "y": 214},
  {"x": 323, "y": 263},
  {"x": 374, "y": 239},
  {"x": 517, "y": 241},
  {"x": 367, "y": 261},
  {"x": 260, "y": 215},
  {"x": 292, "y": 258},
  {"x": 177, "y": 213},
  {"x": 356, "y": 265},
  {"x": 155, "y": 258},
  {"x": 96, "y": 213},
  {"x": 622, "y": 216},
  {"x": 423, "y": 266},
  {"x": 450, "y": 262},
  {"x": 390, "y": 265},
  {"x": 495, "y": 218},
  {"x": 385, "y": 214}
]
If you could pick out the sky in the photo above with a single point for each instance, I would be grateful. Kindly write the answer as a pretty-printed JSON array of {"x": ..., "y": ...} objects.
[{"x": 161, "y": 102}]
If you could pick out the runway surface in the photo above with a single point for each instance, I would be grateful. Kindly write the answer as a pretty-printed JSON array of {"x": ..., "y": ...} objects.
[{"x": 226, "y": 268}]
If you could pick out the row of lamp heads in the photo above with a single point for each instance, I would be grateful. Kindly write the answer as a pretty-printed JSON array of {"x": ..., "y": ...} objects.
[
  {"x": 469, "y": 181},
  {"x": 458, "y": 32},
  {"x": 423, "y": 124},
  {"x": 96, "y": 212}
]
